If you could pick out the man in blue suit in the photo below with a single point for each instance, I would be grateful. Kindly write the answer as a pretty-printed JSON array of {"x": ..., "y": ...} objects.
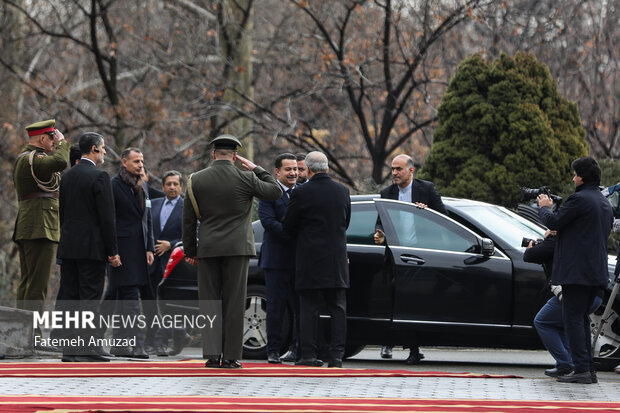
[
  {"x": 167, "y": 215},
  {"x": 277, "y": 257}
]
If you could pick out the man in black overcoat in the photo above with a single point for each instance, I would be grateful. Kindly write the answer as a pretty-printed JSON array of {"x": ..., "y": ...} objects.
[
  {"x": 583, "y": 224},
  {"x": 421, "y": 193},
  {"x": 134, "y": 233},
  {"x": 87, "y": 236},
  {"x": 317, "y": 218}
]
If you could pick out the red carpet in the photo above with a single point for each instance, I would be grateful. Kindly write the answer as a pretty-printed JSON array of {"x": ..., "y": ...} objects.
[
  {"x": 26, "y": 404},
  {"x": 196, "y": 369}
]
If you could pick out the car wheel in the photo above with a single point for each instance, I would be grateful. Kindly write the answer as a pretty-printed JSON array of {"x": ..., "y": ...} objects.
[{"x": 607, "y": 347}]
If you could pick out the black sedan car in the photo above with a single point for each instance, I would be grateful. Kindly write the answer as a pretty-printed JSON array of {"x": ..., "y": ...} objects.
[{"x": 440, "y": 281}]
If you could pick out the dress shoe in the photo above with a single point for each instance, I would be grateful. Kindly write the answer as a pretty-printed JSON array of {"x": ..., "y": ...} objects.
[
  {"x": 386, "y": 352},
  {"x": 121, "y": 351},
  {"x": 594, "y": 378},
  {"x": 178, "y": 345},
  {"x": 290, "y": 356},
  {"x": 617, "y": 369},
  {"x": 213, "y": 363},
  {"x": 96, "y": 357},
  {"x": 231, "y": 364},
  {"x": 583, "y": 378},
  {"x": 161, "y": 351},
  {"x": 414, "y": 357},
  {"x": 335, "y": 363},
  {"x": 139, "y": 353},
  {"x": 273, "y": 358},
  {"x": 99, "y": 350},
  {"x": 557, "y": 372},
  {"x": 149, "y": 349},
  {"x": 309, "y": 362}
]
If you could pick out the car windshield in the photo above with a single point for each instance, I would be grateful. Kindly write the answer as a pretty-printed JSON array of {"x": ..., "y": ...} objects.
[{"x": 510, "y": 227}]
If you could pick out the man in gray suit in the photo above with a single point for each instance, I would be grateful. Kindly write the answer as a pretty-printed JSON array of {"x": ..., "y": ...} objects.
[{"x": 223, "y": 196}]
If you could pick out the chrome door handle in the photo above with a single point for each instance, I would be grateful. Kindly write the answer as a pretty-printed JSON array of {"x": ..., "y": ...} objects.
[{"x": 412, "y": 260}]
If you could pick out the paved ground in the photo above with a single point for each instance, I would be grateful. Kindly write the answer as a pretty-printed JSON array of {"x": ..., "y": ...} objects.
[{"x": 529, "y": 364}]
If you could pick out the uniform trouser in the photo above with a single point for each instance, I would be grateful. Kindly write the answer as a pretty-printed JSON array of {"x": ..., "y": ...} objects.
[
  {"x": 81, "y": 288},
  {"x": 336, "y": 306},
  {"x": 281, "y": 296},
  {"x": 36, "y": 257},
  {"x": 576, "y": 302},
  {"x": 225, "y": 279}
]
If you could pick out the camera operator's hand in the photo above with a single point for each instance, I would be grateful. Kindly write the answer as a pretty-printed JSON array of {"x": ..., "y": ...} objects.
[
  {"x": 544, "y": 201},
  {"x": 550, "y": 232}
]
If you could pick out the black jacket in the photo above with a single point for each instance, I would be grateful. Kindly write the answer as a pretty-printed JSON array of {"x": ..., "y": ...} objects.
[
  {"x": 583, "y": 224},
  {"x": 87, "y": 228},
  {"x": 542, "y": 254},
  {"x": 317, "y": 218}
]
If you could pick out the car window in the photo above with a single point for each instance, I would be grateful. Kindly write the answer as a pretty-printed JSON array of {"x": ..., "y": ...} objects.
[
  {"x": 362, "y": 225},
  {"x": 423, "y": 229},
  {"x": 510, "y": 227}
]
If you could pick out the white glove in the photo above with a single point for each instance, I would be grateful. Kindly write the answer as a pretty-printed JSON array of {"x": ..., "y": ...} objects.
[{"x": 557, "y": 291}]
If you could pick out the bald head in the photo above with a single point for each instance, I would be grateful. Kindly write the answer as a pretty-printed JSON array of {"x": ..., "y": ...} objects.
[{"x": 402, "y": 170}]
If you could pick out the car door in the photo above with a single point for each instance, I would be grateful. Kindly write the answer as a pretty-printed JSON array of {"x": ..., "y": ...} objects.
[{"x": 439, "y": 272}]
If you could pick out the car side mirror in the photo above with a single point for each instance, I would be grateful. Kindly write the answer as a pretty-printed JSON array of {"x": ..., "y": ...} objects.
[{"x": 488, "y": 248}]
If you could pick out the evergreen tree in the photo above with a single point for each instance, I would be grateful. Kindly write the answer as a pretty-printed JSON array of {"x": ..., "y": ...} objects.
[{"x": 501, "y": 126}]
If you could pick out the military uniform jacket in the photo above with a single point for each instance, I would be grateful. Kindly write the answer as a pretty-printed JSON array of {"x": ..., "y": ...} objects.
[
  {"x": 37, "y": 218},
  {"x": 224, "y": 194}
]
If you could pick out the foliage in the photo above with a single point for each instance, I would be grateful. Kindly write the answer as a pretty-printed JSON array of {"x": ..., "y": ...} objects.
[{"x": 503, "y": 125}]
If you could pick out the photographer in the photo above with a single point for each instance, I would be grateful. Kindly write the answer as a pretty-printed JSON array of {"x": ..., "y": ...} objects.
[
  {"x": 580, "y": 259},
  {"x": 548, "y": 322}
]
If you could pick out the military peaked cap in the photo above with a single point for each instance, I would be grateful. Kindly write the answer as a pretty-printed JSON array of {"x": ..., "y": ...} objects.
[
  {"x": 42, "y": 127},
  {"x": 226, "y": 142}
]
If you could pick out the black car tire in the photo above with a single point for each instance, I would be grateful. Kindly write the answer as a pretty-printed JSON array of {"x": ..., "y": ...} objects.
[
  {"x": 607, "y": 349},
  {"x": 255, "y": 326}
]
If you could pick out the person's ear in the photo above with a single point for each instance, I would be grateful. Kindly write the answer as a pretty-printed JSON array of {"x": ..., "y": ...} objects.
[
  {"x": 214, "y": 157},
  {"x": 234, "y": 156}
]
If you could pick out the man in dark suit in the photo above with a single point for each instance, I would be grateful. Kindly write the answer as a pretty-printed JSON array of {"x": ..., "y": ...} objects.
[
  {"x": 223, "y": 197},
  {"x": 423, "y": 194},
  {"x": 277, "y": 257},
  {"x": 580, "y": 259},
  {"x": 135, "y": 245},
  {"x": 317, "y": 218},
  {"x": 87, "y": 237},
  {"x": 167, "y": 215}
]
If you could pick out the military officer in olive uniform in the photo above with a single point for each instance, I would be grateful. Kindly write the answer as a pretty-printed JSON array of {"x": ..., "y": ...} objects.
[
  {"x": 37, "y": 231},
  {"x": 223, "y": 195}
]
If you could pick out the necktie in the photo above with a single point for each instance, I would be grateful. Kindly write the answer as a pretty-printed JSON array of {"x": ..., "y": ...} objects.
[
  {"x": 289, "y": 192},
  {"x": 165, "y": 213}
]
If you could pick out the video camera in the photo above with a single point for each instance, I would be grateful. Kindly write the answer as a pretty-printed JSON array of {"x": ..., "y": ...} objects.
[{"x": 529, "y": 193}]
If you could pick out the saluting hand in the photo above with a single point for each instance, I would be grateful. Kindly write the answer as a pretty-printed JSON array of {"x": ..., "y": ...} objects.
[{"x": 246, "y": 163}]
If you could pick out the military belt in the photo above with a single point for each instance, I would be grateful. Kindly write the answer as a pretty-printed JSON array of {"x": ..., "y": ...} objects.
[{"x": 34, "y": 195}]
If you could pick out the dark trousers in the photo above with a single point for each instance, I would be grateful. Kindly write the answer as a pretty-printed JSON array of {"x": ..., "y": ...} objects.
[
  {"x": 36, "y": 257},
  {"x": 81, "y": 288},
  {"x": 576, "y": 303},
  {"x": 148, "y": 294},
  {"x": 124, "y": 302},
  {"x": 280, "y": 296},
  {"x": 310, "y": 301},
  {"x": 225, "y": 279}
]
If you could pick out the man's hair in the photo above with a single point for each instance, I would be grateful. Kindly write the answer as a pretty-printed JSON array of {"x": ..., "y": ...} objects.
[
  {"x": 316, "y": 162},
  {"x": 300, "y": 156},
  {"x": 224, "y": 153},
  {"x": 588, "y": 169},
  {"x": 410, "y": 163},
  {"x": 172, "y": 173},
  {"x": 127, "y": 151},
  {"x": 87, "y": 140},
  {"x": 282, "y": 157},
  {"x": 74, "y": 154}
]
